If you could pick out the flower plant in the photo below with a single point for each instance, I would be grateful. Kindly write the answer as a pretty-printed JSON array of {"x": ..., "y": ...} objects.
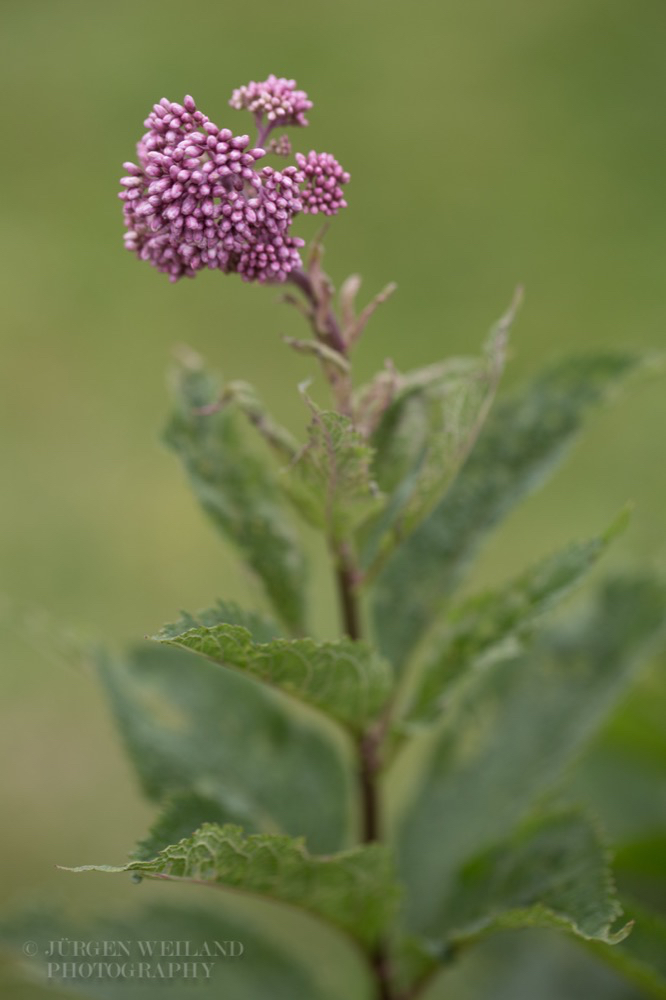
[{"x": 405, "y": 782}]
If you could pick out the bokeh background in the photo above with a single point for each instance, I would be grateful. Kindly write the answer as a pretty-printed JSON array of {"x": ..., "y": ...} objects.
[{"x": 490, "y": 143}]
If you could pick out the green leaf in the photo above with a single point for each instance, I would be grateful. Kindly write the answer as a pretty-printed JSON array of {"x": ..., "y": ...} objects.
[
  {"x": 354, "y": 890},
  {"x": 237, "y": 489},
  {"x": 346, "y": 679},
  {"x": 286, "y": 953},
  {"x": 552, "y": 873},
  {"x": 642, "y": 957},
  {"x": 223, "y": 613},
  {"x": 193, "y": 728},
  {"x": 535, "y": 964},
  {"x": 510, "y": 731},
  {"x": 182, "y": 814},
  {"x": 425, "y": 435},
  {"x": 330, "y": 481},
  {"x": 522, "y": 441},
  {"x": 485, "y": 622}
]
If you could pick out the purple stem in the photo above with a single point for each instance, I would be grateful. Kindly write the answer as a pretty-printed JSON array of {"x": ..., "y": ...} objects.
[{"x": 331, "y": 334}]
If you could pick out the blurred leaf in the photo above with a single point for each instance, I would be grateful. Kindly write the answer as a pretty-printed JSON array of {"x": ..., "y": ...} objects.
[
  {"x": 222, "y": 613},
  {"x": 552, "y": 873},
  {"x": 237, "y": 489},
  {"x": 622, "y": 773},
  {"x": 346, "y": 679},
  {"x": 522, "y": 441},
  {"x": 646, "y": 856},
  {"x": 509, "y": 732},
  {"x": 484, "y": 622},
  {"x": 627, "y": 791},
  {"x": 354, "y": 890},
  {"x": 330, "y": 480},
  {"x": 425, "y": 435},
  {"x": 642, "y": 957},
  {"x": 273, "y": 964},
  {"x": 536, "y": 964},
  {"x": 192, "y": 727}
]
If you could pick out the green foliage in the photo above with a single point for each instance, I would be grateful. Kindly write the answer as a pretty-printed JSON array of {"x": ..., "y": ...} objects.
[
  {"x": 236, "y": 488},
  {"x": 330, "y": 481},
  {"x": 353, "y": 890},
  {"x": 509, "y": 732},
  {"x": 222, "y": 613},
  {"x": 522, "y": 441},
  {"x": 553, "y": 872},
  {"x": 642, "y": 957},
  {"x": 483, "y": 624},
  {"x": 182, "y": 814},
  {"x": 294, "y": 956},
  {"x": 425, "y": 435},
  {"x": 269, "y": 752},
  {"x": 191, "y": 727},
  {"x": 346, "y": 679}
]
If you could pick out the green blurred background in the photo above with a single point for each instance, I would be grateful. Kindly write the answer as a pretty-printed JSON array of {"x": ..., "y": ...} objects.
[{"x": 489, "y": 143}]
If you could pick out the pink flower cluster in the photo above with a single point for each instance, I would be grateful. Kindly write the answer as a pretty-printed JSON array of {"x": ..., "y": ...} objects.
[
  {"x": 323, "y": 179},
  {"x": 198, "y": 199},
  {"x": 275, "y": 98}
]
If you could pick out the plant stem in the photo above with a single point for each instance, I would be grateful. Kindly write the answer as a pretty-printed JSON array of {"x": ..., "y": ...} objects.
[
  {"x": 348, "y": 603},
  {"x": 326, "y": 326},
  {"x": 368, "y": 750}
]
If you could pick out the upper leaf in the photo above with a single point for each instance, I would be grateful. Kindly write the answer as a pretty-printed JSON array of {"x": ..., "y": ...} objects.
[
  {"x": 192, "y": 728},
  {"x": 521, "y": 442},
  {"x": 485, "y": 622},
  {"x": 347, "y": 679},
  {"x": 237, "y": 489},
  {"x": 424, "y": 436},
  {"x": 354, "y": 890},
  {"x": 509, "y": 732},
  {"x": 330, "y": 480}
]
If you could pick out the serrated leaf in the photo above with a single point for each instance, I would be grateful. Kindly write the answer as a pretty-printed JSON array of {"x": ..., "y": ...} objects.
[
  {"x": 354, "y": 890},
  {"x": 510, "y": 731},
  {"x": 292, "y": 956},
  {"x": 223, "y": 613},
  {"x": 425, "y": 435},
  {"x": 237, "y": 489},
  {"x": 330, "y": 481},
  {"x": 535, "y": 964},
  {"x": 181, "y": 816},
  {"x": 191, "y": 727},
  {"x": 485, "y": 622},
  {"x": 346, "y": 679},
  {"x": 642, "y": 957},
  {"x": 522, "y": 441},
  {"x": 553, "y": 872}
]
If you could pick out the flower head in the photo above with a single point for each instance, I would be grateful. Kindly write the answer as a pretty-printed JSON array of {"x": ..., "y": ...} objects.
[
  {"x": 323, "y": 179},
  {"x": 276, "y": 99},
  {"x": 197, "y": 198}
]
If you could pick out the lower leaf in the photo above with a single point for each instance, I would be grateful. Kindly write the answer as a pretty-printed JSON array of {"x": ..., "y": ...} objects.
[
  {"x": 354, "y": 890},
  {"x": 553, "y": 873},
  {"x": 642, "y": 957}
]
